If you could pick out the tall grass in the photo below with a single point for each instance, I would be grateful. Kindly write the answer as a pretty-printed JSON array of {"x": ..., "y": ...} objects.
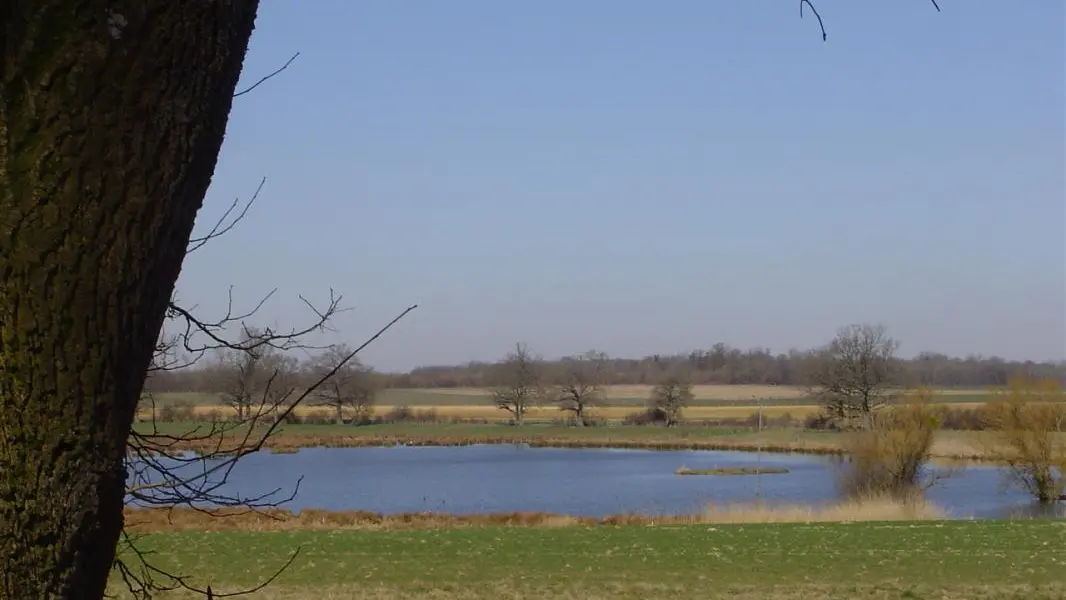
[{"x": 865, "y": 509}]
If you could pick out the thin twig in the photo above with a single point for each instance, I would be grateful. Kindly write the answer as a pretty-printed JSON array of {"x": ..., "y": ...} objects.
[
  {"x": 265, "y": 78},
  {"x": 821, "y": 24}
]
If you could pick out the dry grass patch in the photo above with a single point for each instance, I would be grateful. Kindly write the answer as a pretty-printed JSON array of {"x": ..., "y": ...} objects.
[
  {"x": 145, "y": 520},
  {"x": 875, "y": 509}
]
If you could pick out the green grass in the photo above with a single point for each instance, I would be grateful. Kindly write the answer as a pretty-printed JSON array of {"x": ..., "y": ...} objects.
[{"x": 857, "y": 560}]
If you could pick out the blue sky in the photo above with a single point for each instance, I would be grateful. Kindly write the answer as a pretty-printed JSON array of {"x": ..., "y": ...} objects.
[{"x": 644, "y": 177}]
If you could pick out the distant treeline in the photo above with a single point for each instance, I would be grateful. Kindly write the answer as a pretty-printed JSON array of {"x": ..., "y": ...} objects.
[
  {"x": 719, "y": 365},
  {"x": 724, "y": 365}
]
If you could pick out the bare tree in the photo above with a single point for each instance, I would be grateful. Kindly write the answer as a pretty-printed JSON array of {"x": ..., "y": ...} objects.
[
  {"x": 857, "y": 373},
  {"x": 517, "y": 383},
  {"x": 579, "y": 383},
  {"x": 246, "y": 372},
  {"x": 351, "y": 387},
  {"x": 670, "y": 398}
]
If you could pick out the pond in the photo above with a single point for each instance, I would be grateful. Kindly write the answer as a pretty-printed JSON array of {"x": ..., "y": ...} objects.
[{"x": 583, "y": 482}]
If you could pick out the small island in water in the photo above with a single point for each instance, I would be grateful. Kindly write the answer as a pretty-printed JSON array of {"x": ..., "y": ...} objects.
[{"x": 732, "y": 471}]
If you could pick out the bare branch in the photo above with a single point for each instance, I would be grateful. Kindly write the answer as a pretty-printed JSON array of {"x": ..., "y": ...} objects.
[
  {"x": 264, "y": 79},
  {"x": 821, "y": 25},
  {"x": 221, "y": 227}
]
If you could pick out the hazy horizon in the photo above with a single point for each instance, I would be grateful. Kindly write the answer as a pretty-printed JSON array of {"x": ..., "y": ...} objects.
[
  {"x": 774, "y": 351},
  {"x": 643, "y": 179}
]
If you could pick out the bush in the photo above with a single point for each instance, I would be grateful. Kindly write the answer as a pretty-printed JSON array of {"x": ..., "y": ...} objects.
[
  {"x": 405, "y": 414},
  {"x": 1026, "y": 426},
  {"x": 399, "y": 414},
  {"x": 176, "y": 410},
  {"x": 962, "y": 419},
  {"x": 890, "y": 457},
  {"x": 318, "y": 417},
  {"x": 648, "y": 416},
  {"x": 212, "y": 416},
  {"x": 820, "y": 422},
  {"x": 571, "y": 421}
]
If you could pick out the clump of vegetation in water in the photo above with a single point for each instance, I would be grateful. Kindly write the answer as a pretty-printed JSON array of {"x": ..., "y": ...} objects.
[{"x": 733, "y": 471}]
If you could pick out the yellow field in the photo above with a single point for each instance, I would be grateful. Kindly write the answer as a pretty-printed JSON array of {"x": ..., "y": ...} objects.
[
  {"x": 701, "y": 392},
  {"x": 489, "y": 412},
  {"x": 548, "y": 412}
]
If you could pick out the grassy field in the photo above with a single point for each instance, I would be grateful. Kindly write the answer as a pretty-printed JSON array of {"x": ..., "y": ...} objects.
[{"x": 875, "y": 560}]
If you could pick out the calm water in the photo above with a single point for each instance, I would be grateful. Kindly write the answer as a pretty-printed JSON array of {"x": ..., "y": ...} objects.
[{"x": 592, "y": 482}]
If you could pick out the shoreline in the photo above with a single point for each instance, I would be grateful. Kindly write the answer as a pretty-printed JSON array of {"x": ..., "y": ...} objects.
[
  {"x": 164, "y": 520},
  {"x": 285, "y": 443}
]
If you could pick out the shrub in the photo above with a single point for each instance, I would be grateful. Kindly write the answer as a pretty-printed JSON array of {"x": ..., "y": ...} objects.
[
  {"x": 429, "y": 415},
  {"x": 318, "y": 417},
  {"x": 405, "y": 414},
  {"x": 176, "y": 410},
  {"x": 399, "y": 414},
  {"x": 820, "y": 422},
  {"x": 891, "y": 456},
  {"x": 212, "y": 416},
  {"x": 1026, "y": 424},
  {"x": 961, "y": 419},
  {"x": 648, "y": 416},
  {"x": 571, "y": 421}
]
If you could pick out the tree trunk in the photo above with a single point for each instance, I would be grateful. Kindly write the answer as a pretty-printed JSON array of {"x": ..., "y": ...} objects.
[
  {"x": 340, "y": 414},
  {"x": 112, "y": 114}
]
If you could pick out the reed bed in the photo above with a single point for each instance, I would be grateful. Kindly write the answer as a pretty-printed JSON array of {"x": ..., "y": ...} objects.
[
  {"x": 952, "y": 450},
  {"x": 286, "y": 443},
  {"x": 157, "y": 520}
]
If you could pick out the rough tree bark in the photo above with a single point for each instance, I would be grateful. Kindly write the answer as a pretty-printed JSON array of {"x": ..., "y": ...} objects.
[{"x": 112, "y": 114}]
